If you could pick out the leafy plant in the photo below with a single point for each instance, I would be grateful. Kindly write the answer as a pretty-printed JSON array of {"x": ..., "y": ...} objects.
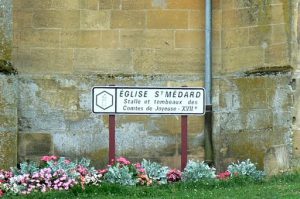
[
  {"x": 245, "y": 168},
  {"x": 65, "y": 165},
  {"x": 120, "y": 174},
  {"x": 195, "y": 171},
  {"x": 25, "y": 168},
  {"x": 155, "y": 171}
]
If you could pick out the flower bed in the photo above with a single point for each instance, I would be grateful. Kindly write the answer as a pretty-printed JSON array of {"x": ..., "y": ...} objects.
[{"x": 54, "y": 173}]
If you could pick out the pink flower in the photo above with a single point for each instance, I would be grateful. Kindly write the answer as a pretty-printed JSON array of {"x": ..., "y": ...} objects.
[
  {"x": 123, "y": 160},
  {"x": 82, "y": 170},
  {"x": 138, "y": 165},
  {"x": 48, "y": 158},
  {"x": 103, "y": 171},
  {"x": 223, "y": 176},
  {"x": 67, "y": 161}
]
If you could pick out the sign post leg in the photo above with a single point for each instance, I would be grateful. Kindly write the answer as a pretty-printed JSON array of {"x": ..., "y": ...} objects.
[
  {"x": 112, "y": 139},
  {"x": 184, "y": 127}
]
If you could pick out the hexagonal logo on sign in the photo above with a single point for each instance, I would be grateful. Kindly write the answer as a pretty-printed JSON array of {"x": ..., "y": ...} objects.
[{"x": 104, "y": 100}]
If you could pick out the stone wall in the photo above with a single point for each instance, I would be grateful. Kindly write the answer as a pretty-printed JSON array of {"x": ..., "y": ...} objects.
[
  {"x": 253, "y": 95},
  {"x": 296, "y": 88},
  {"x": 64, "y": 47},
  {"x": 8, "y": 92},
  {"x": 5, "y": 29},
  {"x": 8, "y": 121}
]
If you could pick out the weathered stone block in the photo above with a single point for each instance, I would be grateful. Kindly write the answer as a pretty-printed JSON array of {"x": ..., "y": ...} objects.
[
  {"x": 278, "y": 14},
  {"x": 167, "y": 19},
  {"x": 260, "y": 36},
  {"x": 189, "y": 39},
  {"x": 186, "y": 4},
  {"x": 21, "y": 57},
  {"x": 90, "y": 39},
  {"x": 34, "y": 144},
  {"x": 22, "y": 19},
  {"x": 94, "y": 4},
  {"x": 228, "y": 5},
  {"x": 279, "y": 33},
  {"x": 47, "y": 4},
  {"x": 217, "y": 19},
  {"x": 233, "y": 38},
  {"x": 70, "y": 38},
  {"x": 8, "y": 92},
  {"x": 44, "y": 61},
  {"x": 56, "y": 19},
  {"x": 29, "y": 4},
  {"x": 128, "y": 19},
  {"x": 144, "y": 61},
  {"x": 8, "y": 123},
  {"x": 39, "y": 38},
  {"x": 276, "y": 160},
  {"x": 110, "y": 39},
  {"x": 259, "y": 119},
  {"x": 116, "y": 4},
  {"x": 196, "y": 20},
  {"x": 232, "y": 121},
  {"x": 63, "y": 5},
  {"x": 94, "y": 20},
  {"x": 216, "y": 4},
  {"x": 147, "y": 39},
  {"x": 244, "y": 144},
  {"x": 136, "y": 4},
  {"x": 8, "y": 149},
  {"x": 107, "y": 61},
  {"x": 296, "y": 143},
  {"x": 277, "y": 55},
  {"x": 282, "y": 119},
  {"x": 178, "y": 61},
  {"x": 238, "y": 18},
  {"x": 105, "y": 4},
  {"x": 248, "y": 58}
]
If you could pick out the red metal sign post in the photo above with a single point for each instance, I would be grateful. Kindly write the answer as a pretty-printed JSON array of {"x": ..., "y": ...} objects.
[
  {"x": 112, "y": 139},
  {"x": 184, "y": 129}
]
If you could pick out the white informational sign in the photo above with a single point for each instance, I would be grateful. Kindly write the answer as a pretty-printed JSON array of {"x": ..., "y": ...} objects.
[{"x": 148, "y": 100}]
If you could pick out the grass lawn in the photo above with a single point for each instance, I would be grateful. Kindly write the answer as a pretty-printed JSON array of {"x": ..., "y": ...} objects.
[{"x": 285, "y": 186}]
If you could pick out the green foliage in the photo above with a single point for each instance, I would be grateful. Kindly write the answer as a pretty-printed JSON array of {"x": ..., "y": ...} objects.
[
  {"x": 270, "y": 188},
  {"x": 246, "y": 168},
  {"x": 86, "y": 164},
  {"x": 25, "y": 168},
  {"x": 195, "y": 171},
  {"x": 155, "y": 171},
  {"x": 120, "y": 174},
  {"x": 65, "y": 165}
]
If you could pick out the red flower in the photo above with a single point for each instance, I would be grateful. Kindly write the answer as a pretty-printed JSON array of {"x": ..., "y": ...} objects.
[
  {"x": 174, "y": 175},
  {"x": 1, "y": 193}
]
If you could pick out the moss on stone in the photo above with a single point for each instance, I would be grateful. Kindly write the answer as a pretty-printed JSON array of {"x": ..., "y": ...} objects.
[{"x": 6, "y": 67}]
